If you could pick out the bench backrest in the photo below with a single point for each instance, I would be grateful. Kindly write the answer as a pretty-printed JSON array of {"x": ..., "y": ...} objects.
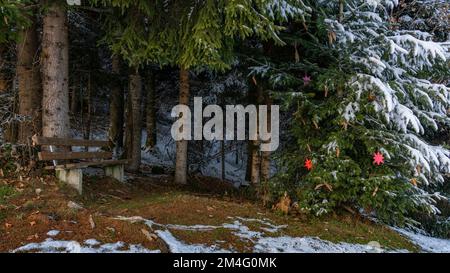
[{"x": 69, "y": 155}]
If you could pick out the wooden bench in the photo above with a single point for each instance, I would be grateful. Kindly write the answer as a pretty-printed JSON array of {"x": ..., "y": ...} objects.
[{"x": 71, "y": 172}]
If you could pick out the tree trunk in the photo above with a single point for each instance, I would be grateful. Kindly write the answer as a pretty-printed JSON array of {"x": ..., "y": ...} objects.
[
  {"x": 265, "y": 155},
  {"x": 182, "y": 145},
  {"x": 116, "y": 107},
  {"x": 248, "y": 169},
  {"x": 55, "y": 71},
  {"x": 136, "y": 132},
  {"x": 129, "y": 127},
  {"x": 87, "y": 132},
  {"x": 223, "y": 147},
  {"x": 3, "y": 78},
  {"x": 256, "y": 165},
  {"x": 222, "y": 154},
  {"x": 254, "y": 158},
  {"x": 151, "y": 111},
  {"x": 265, "y": 166},
  {"x": 75, "y": 95},
  {"x": 29, "y": 84}
]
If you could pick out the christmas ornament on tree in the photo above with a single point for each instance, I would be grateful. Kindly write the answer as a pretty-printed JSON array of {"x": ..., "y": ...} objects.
[
  {"x": 308, "y": 164},
  {"x": 378, "y": 158},
  {"x": 306, "y": 80}
]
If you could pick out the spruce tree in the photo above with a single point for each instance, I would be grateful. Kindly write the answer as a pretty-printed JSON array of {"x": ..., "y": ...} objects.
[{"x": 364, "y": 104}]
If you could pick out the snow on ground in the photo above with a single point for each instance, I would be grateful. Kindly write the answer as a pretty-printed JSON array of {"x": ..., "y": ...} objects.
[
  {"x": 262, "y": 240},
  {"x": 53, "y": 233},
  {"x": 427, "y": 243},
  {"x": 177, "y": 246},
  {"x": 89, "y": 246},
  {"x": 288, "y": 244},
  {"x": 261, "y": 243}
]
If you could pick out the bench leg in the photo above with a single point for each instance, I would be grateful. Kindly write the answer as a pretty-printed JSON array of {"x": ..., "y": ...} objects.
[
  {"x": 72, "y": 177},
  {"x": 116, "y": 172}
]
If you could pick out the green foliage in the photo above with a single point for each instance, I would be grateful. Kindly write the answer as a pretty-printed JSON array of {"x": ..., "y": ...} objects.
[
  {"x": 13, "y": 17},
  {"x": 5, "y": 193},
  {"x": 189, "y": 33}
]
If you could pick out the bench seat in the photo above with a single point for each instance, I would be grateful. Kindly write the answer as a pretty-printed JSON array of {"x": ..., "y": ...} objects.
[
  {"x": 71, "y": 172},
  {"x": 82, "y": 165}
]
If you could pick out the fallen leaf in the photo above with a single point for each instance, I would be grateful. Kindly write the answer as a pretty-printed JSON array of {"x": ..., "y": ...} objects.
[
  {"x": 284, "y": 204},
  {"x": 31, "y": 237},
  {"x": 91, "y": 221},
  {"x": 150, "y": 236}
]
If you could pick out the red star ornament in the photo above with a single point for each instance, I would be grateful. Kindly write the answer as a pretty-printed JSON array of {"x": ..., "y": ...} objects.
[
  {"x": 308, "y": 164},
  {"x": 306, "y": 80},
  {"x": 378, "y": 158}
]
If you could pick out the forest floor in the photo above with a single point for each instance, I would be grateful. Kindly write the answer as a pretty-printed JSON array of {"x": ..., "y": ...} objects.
[{"x": 151, "y": 214}]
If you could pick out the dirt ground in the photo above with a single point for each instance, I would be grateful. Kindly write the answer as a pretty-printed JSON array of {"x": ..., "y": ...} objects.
[{"x": 30, "y": 207}]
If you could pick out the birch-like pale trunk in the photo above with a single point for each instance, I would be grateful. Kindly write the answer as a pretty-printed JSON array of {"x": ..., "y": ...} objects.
[{"x": 55, "y": 71}]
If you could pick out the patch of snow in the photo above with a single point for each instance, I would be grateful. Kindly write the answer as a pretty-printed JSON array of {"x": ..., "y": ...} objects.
[
  {"x": 177, "y": 246},
  {"x": 136, "y": 219},
  {"x": 91, "y": 242},
  {"x": 309, "y": 245},
  {"x": 427, "y": 243},
  {"x": 150, "y": 223},
  {"x": 243, "y": 231},
  {"x": 192, "y": 228},
  {"x": 271, "y": 230},
  {"x": 270, "y": 227},
  {"x": 53, "y": 233},
  {"x": 53, "y": 246}
]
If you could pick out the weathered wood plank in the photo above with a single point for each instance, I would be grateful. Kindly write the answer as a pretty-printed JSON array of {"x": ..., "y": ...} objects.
[
  {"x": 82, "y": 165},
  {"x": 46, "y": 156},
  {"x": 38, "y": 140}
]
